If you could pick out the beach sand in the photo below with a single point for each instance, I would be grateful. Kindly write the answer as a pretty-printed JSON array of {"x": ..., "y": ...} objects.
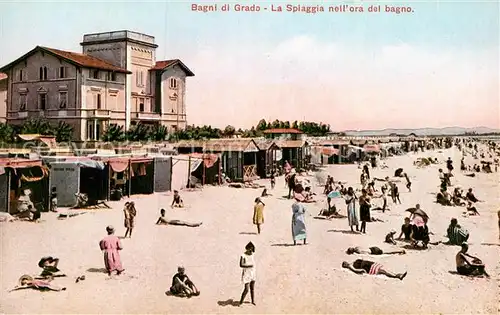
[{"x": 290, "y": 279}]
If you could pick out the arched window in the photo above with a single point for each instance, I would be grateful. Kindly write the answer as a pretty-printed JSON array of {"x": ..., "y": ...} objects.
[
  {"x": 45, "y": 73},
  {"x": 173, "y": 83},
  {"x": 41, "y": 73}
]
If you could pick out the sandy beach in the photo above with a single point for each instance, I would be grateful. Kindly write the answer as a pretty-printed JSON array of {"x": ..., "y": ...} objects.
[{"x": 290, "y": 279}]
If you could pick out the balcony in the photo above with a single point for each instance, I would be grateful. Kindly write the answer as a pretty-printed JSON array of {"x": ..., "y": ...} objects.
[
  {"x": 146, "y": 116},
  {"x": 97, "y": 113}
]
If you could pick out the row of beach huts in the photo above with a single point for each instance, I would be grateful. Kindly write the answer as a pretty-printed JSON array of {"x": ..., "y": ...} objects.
[{"x": 109, "y": 174}]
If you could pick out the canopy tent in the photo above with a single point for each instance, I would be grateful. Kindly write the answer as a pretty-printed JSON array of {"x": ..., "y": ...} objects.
[
  {"x": 80, "y": 175},
  {"x": 17, "y": 175},
  {"x": 371, "y": 148}
]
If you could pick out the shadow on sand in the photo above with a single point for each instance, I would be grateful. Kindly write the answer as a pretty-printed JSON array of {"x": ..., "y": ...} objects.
[
  {"x": 490, "y": 244},
  {"x": 411, "y": 247},
  {"x": 345, "y": 232},
  {"x": 97, "y": 270},
  {"x": 248, "y": 233},
  {"x": 229, "y": 302}
]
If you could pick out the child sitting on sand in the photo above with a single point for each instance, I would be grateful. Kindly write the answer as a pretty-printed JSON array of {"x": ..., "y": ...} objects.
[
  {"x": 389, "y": 238},
  {"x": 177, "y": 202},
  {"x": 182, "y": 285},
  {"x": 406, "y": 230}
]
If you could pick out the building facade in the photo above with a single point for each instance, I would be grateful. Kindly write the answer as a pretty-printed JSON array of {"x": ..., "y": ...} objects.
[
  {"x": 3, "y": 97},
  {"x": 156, "y": 89},
  {"x": 116, "y": 80}
]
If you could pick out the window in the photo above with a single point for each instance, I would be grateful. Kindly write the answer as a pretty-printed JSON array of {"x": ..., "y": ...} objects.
[
  {"x": 41, "y": 74},
  {"x": 113, "y": 102},
  {"x": 98, "y": 101},
  {"x": 141, "y": 105},
  {"x": 112, "y": 76},
  {"x": 173, "y": 83},
  {"x": 62, "y": 72},
  {"x": 97, "y": 130},
  {"x": 21, "y": 75},
  {"x": 94, "y": 74},
  {"x": 45, "y": 73},
  {"x": 42, "y": 101},
  {"x": 23, "y": 100},
  {"x": 63, "y": 99},
  {"x": 139, "y": 76},
  {"x": 90, "y": 130}
]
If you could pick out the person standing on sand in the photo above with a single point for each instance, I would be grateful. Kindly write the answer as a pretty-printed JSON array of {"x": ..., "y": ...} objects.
[
  {"x": 258, "y": 213},
  {"x": 352, "y": 215},
  {"x": 299, "y": 223},
  {"x": 110, "y": 246},
  {"x": 364, "y": 209},
  {"x": 247, "y": 263},
  {"x": 130, "y": 213}
]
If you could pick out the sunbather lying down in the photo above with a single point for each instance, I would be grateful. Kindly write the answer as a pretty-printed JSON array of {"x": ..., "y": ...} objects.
[
  {"x": 372, "y": 251},
  {"x": 163, "y": 221},
  {"x": 27, "y": 282},
  {"x": 365, "y": 266}
]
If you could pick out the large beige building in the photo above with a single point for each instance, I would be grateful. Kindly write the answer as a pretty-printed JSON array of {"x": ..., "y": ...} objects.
[{"x": 116, "y": 80}]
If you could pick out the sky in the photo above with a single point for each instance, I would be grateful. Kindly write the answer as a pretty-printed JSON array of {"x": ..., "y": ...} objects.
[{"x": 437, "y": 66}]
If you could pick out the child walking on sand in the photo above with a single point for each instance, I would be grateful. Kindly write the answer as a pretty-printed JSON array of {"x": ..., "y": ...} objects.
[{"x": 247, "y": 263}]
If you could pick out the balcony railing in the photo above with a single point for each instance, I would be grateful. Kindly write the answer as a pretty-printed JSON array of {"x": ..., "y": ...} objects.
[
  {"x": 97, "y": 113},
  {"x": 146, "y": 116}
]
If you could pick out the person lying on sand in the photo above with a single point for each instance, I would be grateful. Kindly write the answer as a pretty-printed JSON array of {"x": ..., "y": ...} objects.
[
  {"x": 466, "y": 267},
  {"x": 27, "y": 282},
  {"x": 361, "y": 266},
  {"x": 49, "y": 266},
  {"x": 177, "y": 201},
  {"x": 389, "y": 238},
  {"x": 471, "y": 210},
  {"x": 182, "y": 285},
  {"x": 162, "y": 220},
  {"x": 373, "y": 251}
]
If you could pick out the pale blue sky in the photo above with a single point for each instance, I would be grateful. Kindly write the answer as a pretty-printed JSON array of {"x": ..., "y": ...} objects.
[{"x": 467, "y": 28}]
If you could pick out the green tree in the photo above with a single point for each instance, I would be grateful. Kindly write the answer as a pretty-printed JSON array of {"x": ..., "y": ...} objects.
[
  {"x": 63, "y": 132},
  {"x": 158, "y": 133},
  {"x": 7, "y": 133},
  {"x": 114, "y": 133},
  {"x": 295, "y": 125},
  {"x": 229, "y": 131},
  {"x": 262, "y": 125},
  {"x": 37, "y": 126},
  {"x": 139, "y": 132}
]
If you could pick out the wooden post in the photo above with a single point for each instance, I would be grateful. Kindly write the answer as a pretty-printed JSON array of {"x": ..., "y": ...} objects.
[
  {"x": 109, "y": 183},
  {"x": 203, "y": 179},
  {"x": 189, "y": 172},
  {"x": 129, "y": 178},
  {"x": 220, "y": 168}
]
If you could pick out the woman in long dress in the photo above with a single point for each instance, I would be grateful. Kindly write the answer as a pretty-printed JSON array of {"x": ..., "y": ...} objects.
[
  {"x": 258, "y": 213},
  {"x": 352, "y": 215},
  {"x": 247, "y": 263},
  {"x": 364, "y": 210},
  {"x": 299, "y": 223}
]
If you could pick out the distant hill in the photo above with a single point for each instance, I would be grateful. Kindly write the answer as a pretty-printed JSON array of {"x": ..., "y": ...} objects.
[{"x": 422, "y": 131}]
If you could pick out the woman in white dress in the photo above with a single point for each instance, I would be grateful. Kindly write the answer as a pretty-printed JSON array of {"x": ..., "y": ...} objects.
[{"x": 247, "y": 263}]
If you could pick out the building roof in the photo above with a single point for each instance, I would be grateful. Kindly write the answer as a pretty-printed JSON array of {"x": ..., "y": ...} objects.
[
  {"x": 3, "y": 76},
  {"x": 283, "y": 130},
  {"x": 81, "y": 60},
  {"x": 266, "y": 144},
  {"x": 291, "y": 143},
  {"x": 231, "y": 145},
  {"x": 164, "y": 64}
]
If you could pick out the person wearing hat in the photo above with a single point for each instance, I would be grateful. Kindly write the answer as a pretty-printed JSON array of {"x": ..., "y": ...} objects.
[
  {"x": 27, "y": 282},
  {"x": 466, "y": 267},
  {"x": 248, "y": 276},
  {"x": 49, "y": 266},
  {"x": 182, "y": 285},
  {"x": 258, "y": 213},
  {"x": 111, "y": 246}
]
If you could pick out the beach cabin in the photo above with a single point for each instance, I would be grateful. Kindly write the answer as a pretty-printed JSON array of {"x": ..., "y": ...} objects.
[
  {"x": 296, "y": 152},
  {"x": 18, "y": 175},
  {"x": 205, "y": 169},
  {"x": 189, "y": 146},
  {"x": 239, "y": 157},
  {"x": 332, "y": 151},
  {"x": 268, "y": 157},
  {"x": 129, "y": 175},
  {"x": 162, "y": 173},
  {"x": 78, "y": 175}
]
